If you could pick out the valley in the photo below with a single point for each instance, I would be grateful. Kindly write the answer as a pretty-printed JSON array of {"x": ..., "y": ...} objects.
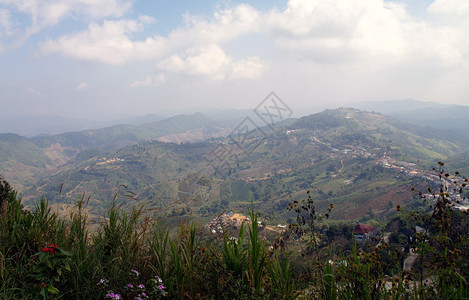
[{"x": 361, "y": 162}]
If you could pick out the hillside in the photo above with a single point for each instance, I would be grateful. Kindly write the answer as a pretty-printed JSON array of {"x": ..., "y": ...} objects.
[
  {"x": 444, "y": 118},
  {"x": 364, "y": 162},
  {"x": 460, "y": 162},
  {"x": 36, "y": 156},
  {"x": 20, "y": 159},
  {"x": 118, "y": 136}
]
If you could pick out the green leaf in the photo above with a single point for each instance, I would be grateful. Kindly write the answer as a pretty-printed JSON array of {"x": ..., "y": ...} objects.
[
  {"x": 67, "y": 267},
  {"x": 53, "y": 290},
  {"x": 44, "y": 293},
  {"x": 65, "y": 253}
]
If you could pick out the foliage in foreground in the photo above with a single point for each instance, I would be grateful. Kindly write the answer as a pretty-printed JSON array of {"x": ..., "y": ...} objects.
[{"x": 132, "y": 256}]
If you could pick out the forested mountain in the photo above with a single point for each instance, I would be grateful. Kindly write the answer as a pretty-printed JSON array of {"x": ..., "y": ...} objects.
[
  {"x": 451, "y": 119},
  {"x": 364, "y": 163},
  {"x": 24, "y": 158}
]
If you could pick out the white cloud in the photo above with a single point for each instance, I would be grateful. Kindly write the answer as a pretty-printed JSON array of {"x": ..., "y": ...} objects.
[
  {"x": 109, "y": 43},
  {"x": 149, "y": 81},
  {"x": 333, "y": 31},
  {"x": 51, "y": 12},
  {"x": 226, "y": 25},
  {"x": 451, "y": 10},
  {"x": 41, "y": 14},
  {"x": 250, "y": 68},
  {"x": 141, "y": 83},
  {"x": 212, "y": 62},
  {"x": 5, "y": 23},
  {"x": 6, "y": 28},
  {"x": 160, "y": 78},
  {"x": 364, "y": 30},
  {"x": 451, "y": 29},
  {"x": 337, "y": 31},
  {"x": 82, "y": 86}
]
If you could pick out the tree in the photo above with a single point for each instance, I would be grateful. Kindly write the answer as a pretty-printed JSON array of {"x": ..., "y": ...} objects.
[
  {"x": 443, "y": 243},
  {"x": 5, "y": 191},
  {"x": 331, "y": 168}
]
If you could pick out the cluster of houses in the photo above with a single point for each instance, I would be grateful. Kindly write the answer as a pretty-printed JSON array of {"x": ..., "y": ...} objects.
[
  {"x": 411, "y": 170},
  {"x": 361, "y": 232},
  {"x": 407, "y": 168},
  {"x": 390, "y": 163},
  {"x": 353, "y": 151},
  {"x": 226, "y": 220}
]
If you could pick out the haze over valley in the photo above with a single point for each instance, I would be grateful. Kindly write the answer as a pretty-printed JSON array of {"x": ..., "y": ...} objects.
[{"x": 343, "y": 154}]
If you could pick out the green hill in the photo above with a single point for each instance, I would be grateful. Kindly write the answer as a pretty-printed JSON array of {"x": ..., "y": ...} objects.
[
  {"x": 118, "y": 136},
  {"x": 443, "y": 118},
  {"x": 366, "y": 162},
  {"x": 20, "y": 159},
  {"x": 24, "y": 158}
]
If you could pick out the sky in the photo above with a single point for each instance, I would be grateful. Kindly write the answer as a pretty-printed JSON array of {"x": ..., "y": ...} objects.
[{"x": 102, "y": 58}]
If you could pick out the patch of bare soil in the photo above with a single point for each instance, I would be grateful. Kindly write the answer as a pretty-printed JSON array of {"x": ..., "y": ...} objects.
[
  {"x": 194, "y": 135},
  {"x": 400, "y": 195}
]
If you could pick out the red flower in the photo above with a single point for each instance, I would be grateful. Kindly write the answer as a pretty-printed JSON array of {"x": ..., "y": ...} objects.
[
  {"x": 47, "y": 249},
  {"x": 51, "y": 248}
]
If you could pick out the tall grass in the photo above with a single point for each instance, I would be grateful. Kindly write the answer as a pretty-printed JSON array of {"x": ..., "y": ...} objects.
[
  {"x": 281, "y": 276},
  {"x": 158, "y": 249},
  {"x": 235, "y": 254},
  {"x": 256, "y": 254},
  {"x": 193, "y": 263}
]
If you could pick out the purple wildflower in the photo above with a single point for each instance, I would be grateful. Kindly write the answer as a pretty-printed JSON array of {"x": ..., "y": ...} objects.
[
  {"x": 141, "y": 286},
  {"x": 111, "y": 295},
  {"x": 129, "y": 285},
  {"x": 160, "y": 287}
]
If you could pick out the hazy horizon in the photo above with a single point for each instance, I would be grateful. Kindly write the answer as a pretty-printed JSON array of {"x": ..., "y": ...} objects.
[{"x": 167, "y": 113}]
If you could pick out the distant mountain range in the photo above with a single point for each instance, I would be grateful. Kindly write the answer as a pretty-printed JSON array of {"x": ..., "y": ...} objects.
[
  {"x": 22, "y": 159},
  {"x": 442, "y": 116},
  {"x": 32, "y": 126},
  {"x": 452, "y": 118},
  {"x": 362, "y": 161}
]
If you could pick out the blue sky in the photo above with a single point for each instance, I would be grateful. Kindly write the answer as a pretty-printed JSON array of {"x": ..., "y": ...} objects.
[{"x": 103, "y": 58}]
